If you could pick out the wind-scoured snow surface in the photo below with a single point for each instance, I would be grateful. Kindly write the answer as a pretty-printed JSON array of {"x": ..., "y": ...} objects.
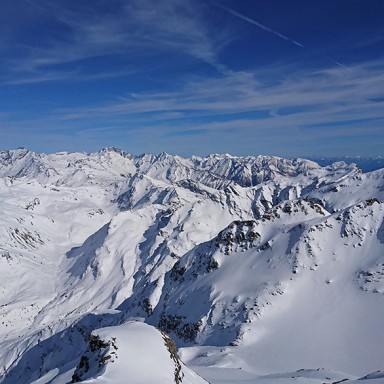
[{"x": 117, "y": 268}]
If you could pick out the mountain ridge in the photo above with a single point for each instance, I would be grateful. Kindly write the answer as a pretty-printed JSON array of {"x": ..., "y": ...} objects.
[{"x": 215, "y": 251}]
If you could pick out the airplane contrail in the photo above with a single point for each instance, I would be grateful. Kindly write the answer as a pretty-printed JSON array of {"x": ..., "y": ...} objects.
[
  {"x": 254, "y": 22},
  {"x": 270, "y": 30}
]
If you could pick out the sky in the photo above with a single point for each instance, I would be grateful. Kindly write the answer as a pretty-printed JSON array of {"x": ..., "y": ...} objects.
[{"x": 193, "y": 77}]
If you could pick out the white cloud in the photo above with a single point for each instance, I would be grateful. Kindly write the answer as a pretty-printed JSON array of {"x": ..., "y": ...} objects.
[
  {"x": 136, "y": 28},
  {"x": 285, "y": 101},
  {"x": 330, "y": 95}
]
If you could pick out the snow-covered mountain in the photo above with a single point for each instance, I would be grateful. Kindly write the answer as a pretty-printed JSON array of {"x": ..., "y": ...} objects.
[
  {"x": 367, "y": 164},
  {"x": 260, "y": 263}
]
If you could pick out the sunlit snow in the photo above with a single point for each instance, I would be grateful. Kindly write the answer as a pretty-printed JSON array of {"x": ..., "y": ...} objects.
[{"x": 260, "y": 269}]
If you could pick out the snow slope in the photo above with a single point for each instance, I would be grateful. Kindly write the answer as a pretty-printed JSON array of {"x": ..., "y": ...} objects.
[{"x": 252, "y": 265}]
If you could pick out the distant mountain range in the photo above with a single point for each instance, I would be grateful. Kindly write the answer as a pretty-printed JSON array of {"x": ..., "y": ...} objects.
[
  {"x": 367, "y": 164},
  {"x": 117, "y": 268}
]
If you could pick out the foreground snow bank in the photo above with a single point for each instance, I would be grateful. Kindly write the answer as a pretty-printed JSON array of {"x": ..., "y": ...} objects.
[{"x": 132, "y": 352}]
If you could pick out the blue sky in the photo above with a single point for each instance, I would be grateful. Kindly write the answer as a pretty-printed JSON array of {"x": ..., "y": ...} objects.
[{"x": 288, "y": 78}]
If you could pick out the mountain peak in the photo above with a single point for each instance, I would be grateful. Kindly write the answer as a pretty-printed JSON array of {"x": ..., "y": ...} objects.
[{"x": 232, "y": 257}]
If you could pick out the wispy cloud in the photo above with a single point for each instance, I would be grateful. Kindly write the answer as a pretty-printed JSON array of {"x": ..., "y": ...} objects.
[
  {"x": 338, "y": 90},
  {"x": 340, "y": 99},
  {"x": 285, "y": 100},
  {"x": 130, "y": 29}
]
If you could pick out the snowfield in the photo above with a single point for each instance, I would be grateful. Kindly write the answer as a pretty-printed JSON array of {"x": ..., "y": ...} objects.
[{"x": 159, "y": 269}]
